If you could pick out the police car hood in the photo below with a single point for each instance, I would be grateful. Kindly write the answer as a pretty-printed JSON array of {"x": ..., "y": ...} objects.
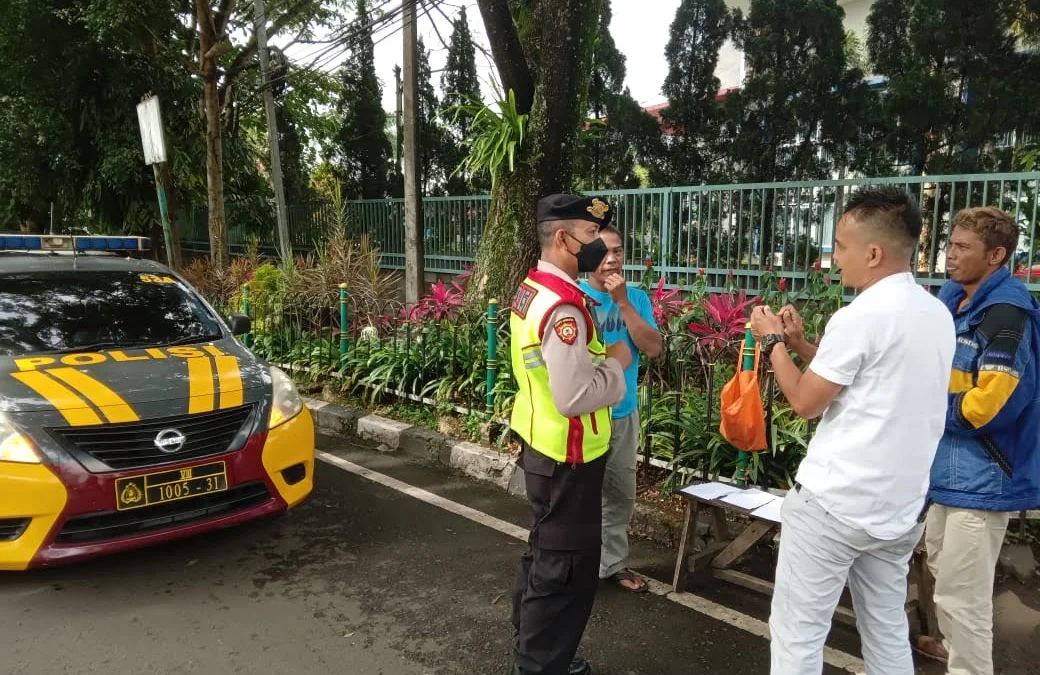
[{"x": 126, "y": 384}]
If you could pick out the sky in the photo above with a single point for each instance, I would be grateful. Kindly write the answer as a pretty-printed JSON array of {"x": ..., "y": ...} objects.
[{"x": 640, "y": 30}]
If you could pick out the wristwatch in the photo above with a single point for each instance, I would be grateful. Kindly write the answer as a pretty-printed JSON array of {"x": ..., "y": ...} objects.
[{"x": 770, "y": 341}]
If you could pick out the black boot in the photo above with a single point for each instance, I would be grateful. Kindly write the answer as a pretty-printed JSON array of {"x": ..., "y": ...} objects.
[{"x": 577, "y": 667}]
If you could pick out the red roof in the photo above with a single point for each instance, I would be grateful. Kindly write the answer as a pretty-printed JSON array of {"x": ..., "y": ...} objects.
[{"x": 669, "y": 129}]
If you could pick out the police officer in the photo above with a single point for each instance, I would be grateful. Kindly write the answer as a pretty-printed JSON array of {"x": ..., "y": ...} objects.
[{"x": 567, "y": 379}]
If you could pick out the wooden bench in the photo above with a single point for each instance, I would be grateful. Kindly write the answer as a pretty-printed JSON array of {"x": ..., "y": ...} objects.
[{"x": 719, "y": 557}]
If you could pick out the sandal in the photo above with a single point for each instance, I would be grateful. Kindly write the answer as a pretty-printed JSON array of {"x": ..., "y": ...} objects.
[
  {"x": 628, "y": 575},
  {"x": 930, "y": 647}
]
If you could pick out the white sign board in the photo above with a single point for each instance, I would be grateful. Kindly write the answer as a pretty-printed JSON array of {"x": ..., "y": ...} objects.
[{"x": 152, "y": 138}]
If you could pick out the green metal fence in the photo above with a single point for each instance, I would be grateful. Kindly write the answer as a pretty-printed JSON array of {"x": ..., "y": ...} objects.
[{"x": 714, "y": 230}]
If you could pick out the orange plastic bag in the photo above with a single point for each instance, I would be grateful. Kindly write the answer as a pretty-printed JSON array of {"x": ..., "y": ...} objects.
[{"x": 743, "y": 419}]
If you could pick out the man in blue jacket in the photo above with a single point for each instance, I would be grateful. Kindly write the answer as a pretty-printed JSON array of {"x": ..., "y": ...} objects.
[{"x": 988, "y": 463}]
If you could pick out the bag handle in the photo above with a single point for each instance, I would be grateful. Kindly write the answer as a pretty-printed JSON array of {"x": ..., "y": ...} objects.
[{"x": 740, "y": 357}]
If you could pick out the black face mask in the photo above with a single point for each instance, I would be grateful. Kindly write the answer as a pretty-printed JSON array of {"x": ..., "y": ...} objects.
[{"x": 590, "y": 255}]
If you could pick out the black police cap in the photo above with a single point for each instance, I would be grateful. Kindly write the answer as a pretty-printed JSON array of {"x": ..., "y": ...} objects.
[{"x": 574, "y": 207}]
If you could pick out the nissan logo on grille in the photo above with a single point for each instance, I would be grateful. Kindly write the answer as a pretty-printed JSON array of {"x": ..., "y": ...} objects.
[{"x": 170, "y": 440}]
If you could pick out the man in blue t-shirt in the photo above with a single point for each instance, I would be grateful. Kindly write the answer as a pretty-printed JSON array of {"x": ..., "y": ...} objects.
[{"x": 623, "y": 313}]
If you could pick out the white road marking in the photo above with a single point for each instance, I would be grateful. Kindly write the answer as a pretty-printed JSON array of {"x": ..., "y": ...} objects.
[{"x": 732, "y": 617}]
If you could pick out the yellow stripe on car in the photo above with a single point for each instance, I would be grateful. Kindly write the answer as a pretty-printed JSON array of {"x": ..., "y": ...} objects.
[
  {"x": 72, "y": 407},
  {"x": 200, "y": 384},
  {"x": 229, "y": 381},
  {"x": 111, "y": 404}
]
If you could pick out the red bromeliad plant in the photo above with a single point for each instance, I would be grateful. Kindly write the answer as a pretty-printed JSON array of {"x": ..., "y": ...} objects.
[
  {"x": 725, "y": 319},
  {"x": 442, "y": 302},
  {"x": 666, "y": 303}
]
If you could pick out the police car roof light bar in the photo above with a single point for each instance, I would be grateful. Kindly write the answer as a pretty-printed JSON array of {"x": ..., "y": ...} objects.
[{"x": 74, "y": 243}]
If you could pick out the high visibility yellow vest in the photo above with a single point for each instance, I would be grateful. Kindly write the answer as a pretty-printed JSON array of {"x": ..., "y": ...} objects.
[{"x": 571, "y": 440}]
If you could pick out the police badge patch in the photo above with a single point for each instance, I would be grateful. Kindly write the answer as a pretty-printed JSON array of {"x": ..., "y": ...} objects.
[
  {"x": 522, "y": 300},
  {"x": 567, "y": 330}
]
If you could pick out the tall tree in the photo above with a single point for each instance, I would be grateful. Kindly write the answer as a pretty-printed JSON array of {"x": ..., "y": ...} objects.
[
  {"x": 543, "y": 50},
  {"x": 619, "y": 134},
  {"x": 220, "y": 63},
  {"x": 430, "y": 133},
  {"x": 459, "y": 85},
  {"x": 796, "y": 96},
  {"x": 697, "y": 33},
  {"x": 957, "y": 79},
  {"x": 68, "y": 126},
  {"x": 362, "y": 150}
]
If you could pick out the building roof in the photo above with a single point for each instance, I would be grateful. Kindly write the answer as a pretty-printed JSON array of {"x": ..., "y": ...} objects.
[{"x": 668, "y": 129}]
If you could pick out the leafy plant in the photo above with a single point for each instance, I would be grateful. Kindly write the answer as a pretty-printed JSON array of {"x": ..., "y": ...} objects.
[
  {"x": 442, "y": 302},
  {"x": 725, "y": 320},
  {"x": 495, "y": 137},
  {"x": 666, "y": 303}
]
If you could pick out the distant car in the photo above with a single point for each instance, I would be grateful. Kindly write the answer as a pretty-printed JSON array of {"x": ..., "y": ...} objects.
[
  {"x": 1032, "y": 274},
  {"x": 129, "y": 413}
]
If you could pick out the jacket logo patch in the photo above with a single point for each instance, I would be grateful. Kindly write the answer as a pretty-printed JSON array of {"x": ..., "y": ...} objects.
[
  {"x": 522, "y": 300},
  {"x": 567, "y": 330}
]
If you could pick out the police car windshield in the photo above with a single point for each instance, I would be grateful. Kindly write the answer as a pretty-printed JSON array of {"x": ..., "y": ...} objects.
[{"x": 86, "y": 311}]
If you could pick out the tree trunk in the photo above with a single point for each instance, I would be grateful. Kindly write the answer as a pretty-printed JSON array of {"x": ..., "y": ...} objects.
[
  {"x": 564, "y": 38},
  {"x": 209, "y": 51},
  {"x": 214, "y": 171},
  {"x": 509, "y": 245}
]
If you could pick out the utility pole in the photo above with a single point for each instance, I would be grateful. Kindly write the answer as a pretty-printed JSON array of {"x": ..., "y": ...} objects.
[
  {"x": 398, "y": 135},
  {"x": 414, "y": 264},
  {"x": 260, "y": 16}
]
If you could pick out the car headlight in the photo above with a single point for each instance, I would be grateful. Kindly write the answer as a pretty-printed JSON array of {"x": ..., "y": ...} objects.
[
  {"x": 14, "y": 447},
  {"x": 287, "y": 402}
]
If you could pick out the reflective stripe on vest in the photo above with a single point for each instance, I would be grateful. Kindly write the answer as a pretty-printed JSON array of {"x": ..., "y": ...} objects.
[{"x": 571, "y": 440}]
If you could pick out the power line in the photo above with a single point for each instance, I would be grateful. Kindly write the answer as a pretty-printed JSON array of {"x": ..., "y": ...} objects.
[{"x": 344, "y": 34}]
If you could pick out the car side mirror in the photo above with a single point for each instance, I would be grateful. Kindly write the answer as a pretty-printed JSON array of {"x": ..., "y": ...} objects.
[{"x": 239, "y": 324}]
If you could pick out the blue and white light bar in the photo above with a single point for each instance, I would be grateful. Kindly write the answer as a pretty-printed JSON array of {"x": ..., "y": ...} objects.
[{"x": 62, "y": 242}]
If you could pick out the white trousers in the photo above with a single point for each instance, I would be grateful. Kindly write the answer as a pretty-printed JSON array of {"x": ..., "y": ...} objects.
[
  {"x": 963, "y": 546},
  {"x": 818, "y": 555}
]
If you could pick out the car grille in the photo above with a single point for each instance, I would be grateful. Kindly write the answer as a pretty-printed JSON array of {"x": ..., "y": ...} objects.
[
  {"x": 132, "y": 445},
  {"x": 12, "y": 528},
  {"x": 119, "y": 524}
]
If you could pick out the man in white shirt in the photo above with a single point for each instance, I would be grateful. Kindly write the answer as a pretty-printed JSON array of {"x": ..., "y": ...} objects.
[{"x": 879, "y": 379}]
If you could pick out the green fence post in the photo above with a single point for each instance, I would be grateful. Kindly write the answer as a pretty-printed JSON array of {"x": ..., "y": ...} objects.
[
  {"x": 343, "y": 346},
  {"x": 492, "y": 356},
  {"x": 245, "y": 310},
  {"x": 748, "y": 363}
]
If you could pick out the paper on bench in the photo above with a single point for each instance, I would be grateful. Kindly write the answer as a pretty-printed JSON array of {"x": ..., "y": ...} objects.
[
  {"x": 710, "y": 491},
  {"x": 771, "y": 511},
  {"x": 749, "y": 499}
]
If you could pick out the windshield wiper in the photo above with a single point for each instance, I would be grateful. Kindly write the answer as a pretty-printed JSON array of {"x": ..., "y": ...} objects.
[
  {"x": 98, "y": 346},
  {"x": 190, "y": 340}
]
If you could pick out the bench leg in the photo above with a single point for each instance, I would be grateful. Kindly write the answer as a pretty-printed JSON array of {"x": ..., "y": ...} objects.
[
  {"x": 721, "y": 525},
  {"x": 752, "y": 534},
  {"x": 688, "y": 533}
]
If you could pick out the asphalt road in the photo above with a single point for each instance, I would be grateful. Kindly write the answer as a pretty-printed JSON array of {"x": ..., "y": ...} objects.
[{"x": 360, "y": 579}]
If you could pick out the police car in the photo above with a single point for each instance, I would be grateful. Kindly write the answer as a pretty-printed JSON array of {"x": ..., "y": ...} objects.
[{"x": 129, "y": 413}]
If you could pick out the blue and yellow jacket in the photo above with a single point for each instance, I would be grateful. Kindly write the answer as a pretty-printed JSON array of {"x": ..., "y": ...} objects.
[{"x": 989, "y": 456}]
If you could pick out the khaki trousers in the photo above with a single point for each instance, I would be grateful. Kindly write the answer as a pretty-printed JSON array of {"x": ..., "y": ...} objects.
[{"x": 963, "y": 546}]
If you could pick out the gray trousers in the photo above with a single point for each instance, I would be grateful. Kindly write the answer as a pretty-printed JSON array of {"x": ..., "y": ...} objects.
[{"x": 619, "y": 494}]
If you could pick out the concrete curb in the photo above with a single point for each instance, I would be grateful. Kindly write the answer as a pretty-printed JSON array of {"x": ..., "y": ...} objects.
[{"x": 472, "y": 459}]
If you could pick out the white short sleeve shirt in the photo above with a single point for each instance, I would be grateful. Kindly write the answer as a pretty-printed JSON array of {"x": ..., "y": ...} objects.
[{"x": 892, "y": 351}]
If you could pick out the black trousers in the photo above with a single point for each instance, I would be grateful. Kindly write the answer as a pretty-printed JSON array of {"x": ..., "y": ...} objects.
[{"x": 559, "y": 573}]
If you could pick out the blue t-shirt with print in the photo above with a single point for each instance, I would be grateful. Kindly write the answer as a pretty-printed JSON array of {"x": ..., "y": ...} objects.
[{"x": 612, "y": 329}]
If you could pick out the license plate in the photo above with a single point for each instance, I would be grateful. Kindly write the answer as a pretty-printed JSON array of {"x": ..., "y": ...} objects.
[{"x": 170, "y": 486}]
